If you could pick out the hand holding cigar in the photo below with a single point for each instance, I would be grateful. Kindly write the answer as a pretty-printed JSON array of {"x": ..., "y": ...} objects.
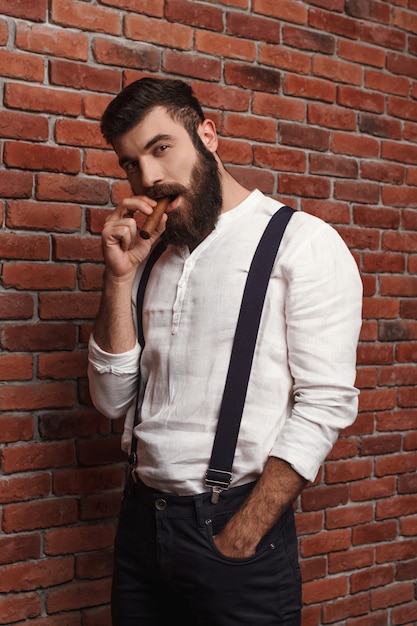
[{"x": 152, "y": 220}]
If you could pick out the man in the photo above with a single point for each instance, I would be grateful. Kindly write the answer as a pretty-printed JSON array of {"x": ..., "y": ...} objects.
[{"x": 178, "y": 554}]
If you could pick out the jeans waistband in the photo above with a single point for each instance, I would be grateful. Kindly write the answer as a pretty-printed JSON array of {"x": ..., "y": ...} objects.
[{"x": 173, "y": 504}]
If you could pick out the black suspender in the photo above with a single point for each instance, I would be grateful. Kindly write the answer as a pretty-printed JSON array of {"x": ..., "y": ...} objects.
[{"x": 219, "y": 473}]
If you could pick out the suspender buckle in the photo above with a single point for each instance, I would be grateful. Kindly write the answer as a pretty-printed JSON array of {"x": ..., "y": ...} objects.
[
  {"x": 132, "y": 459},
  {"x": 218, "y": 481}
]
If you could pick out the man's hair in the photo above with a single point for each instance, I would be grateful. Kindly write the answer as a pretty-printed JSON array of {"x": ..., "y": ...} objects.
[{"x": 140, "y": 97}]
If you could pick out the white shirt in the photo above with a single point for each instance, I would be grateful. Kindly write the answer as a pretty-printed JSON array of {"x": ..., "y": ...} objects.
[{"x": 301, "y": 390}]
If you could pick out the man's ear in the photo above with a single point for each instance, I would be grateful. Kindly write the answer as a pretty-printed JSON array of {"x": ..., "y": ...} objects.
[{"x": 208, "y": 135}]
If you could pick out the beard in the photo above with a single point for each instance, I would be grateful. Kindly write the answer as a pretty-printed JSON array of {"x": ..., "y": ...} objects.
[{"x": 201, "y": 202}]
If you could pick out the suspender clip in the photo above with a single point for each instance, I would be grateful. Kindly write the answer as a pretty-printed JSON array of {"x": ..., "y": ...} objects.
[{"x": 218, "y": 481}]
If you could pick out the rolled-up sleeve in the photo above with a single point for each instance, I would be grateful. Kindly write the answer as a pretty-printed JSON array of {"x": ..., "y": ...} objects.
[
  {"x": 112, "y": 379},
  {"x": 324, "y": 316}
]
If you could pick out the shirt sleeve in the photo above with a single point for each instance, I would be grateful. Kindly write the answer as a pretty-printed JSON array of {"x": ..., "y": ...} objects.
[
  {"x": 324, "y": 316},
  {"x": 112, "y": 379}
]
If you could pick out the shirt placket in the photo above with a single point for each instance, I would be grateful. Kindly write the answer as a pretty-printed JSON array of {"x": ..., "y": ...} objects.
[{"x": 181, "y": 291}]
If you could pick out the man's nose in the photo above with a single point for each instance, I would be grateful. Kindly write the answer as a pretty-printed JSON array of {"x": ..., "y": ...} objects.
[{"x": 151, "y": 174}]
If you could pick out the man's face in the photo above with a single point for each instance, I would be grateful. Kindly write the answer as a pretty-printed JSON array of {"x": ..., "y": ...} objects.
[{"x": 160, "y": 159}]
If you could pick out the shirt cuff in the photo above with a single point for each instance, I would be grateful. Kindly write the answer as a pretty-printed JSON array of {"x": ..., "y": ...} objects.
[{"x": 118, "y": 364}]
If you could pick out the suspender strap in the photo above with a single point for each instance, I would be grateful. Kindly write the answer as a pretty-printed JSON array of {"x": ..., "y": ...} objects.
[
  {"x": 153, "y": 257},
  {"x": 219, "y": 474}
]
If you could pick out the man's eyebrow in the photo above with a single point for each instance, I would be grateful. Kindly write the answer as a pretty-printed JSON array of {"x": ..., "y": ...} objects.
[{"x": 156, "y": 139}]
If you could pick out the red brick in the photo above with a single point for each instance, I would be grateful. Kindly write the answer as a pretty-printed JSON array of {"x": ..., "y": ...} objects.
[
  {"x": 360, "y": 53},
  {"x": 311, "y": 88},
  {"x": 15, "y": 184},
  {"x": 312, "y": 186},
  {"x": 340, "y": 609},
  {"x": 320, "y": 591},
  {"x": 97, "y": 565},
  {"x": 25, "y": 9},
  {"x": 34, "y": 98},
  {"x": 15, "y": 427},
  {"x": 46, "y": 40},
  {"x": 32, "y": 575},
  {"x": 83, "y": 76},
  {"x": 210, "y": 43},
  {"x": 78, "y": 595},
  {"x": 332, "y": 165},
  {"x": 37, "y": 456},
  {"x": 221, "y": 97},
  {"x": 192, "y": 66},
  {"x": 284, "y": 59},
  {"x": 348, "y": 516},
  {"x": 329, "y": 541},
  {"x": 358, "y": 99},
  {"x": 30, "y": 487},
  {"x": 69, "y": 189},
  {"x": 39, "y": 514},
  {"x": 36, "y": 396},
  {"x": 97, "y": 615},
  {"x": 351, "y": 559},
  {"x": 320, "y": 497},
  {"x": 252, "y": 27},
  {"x": 15, "y": 548},
  {"x": 102, "y": 163},
  {"x": 383, "y": 172},
  {"x": 85, "y": 17},
  {"x": 276, "y": 106},
  {"x": 68, "y": 306},
  {"x": 34, "y": 247},
  {"x": 346, "y": 471},
  {"x": 235, "y": 152},
  {"x": 374, "y": 532},
  {"x": 126, "y": 54},
  {"x": 100, "y": 506},
  {"x": 62, "y": 365},
  {"x": 79, "y": 538},
  {"x": 285, "y": 9},
  {"x": 16, "y": 367},
  {"x": 44, "y": 336},
  {"x": 395, "y": 594},
  {"x": 23, "y": 125},
  {"x": 91, "y": 480},
  {"x": 372, "y": 577},
  {"x": 150, "y": 7},
  {"x": 40, "y": 157},
  {"x": 312, "y": 569},
  {"x": 79, "y": 133},
  {"x": 90, "y": 277},
  {"x": 21, "y": 65},
  {"x": 177, "y": 36},
  {"x": 18, "y": 607},
  {"x": 195, "y": 14},
  {"x": 43, "y": 216},
  {"x": 396, "y": 507},
  {"x": 74, "y": 423},
  {"x": 38, "y": 276}
]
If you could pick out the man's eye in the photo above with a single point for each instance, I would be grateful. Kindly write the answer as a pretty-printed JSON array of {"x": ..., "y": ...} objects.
[
  {"x": 161, "y": 149},
  {"x": 130, "y": 167}
]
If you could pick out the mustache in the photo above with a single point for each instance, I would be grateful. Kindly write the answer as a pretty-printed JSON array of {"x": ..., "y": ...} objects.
[{"x": 170, "y": 190}]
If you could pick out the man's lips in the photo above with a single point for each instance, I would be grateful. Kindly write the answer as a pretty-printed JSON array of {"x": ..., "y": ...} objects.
[{"x": 173, "y": 203}]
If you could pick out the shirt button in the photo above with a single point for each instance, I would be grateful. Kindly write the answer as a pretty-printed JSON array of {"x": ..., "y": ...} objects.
[{"x": 160, "y": 504}]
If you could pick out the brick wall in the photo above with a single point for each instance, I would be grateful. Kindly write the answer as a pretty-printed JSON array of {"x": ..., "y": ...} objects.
[{"x": 316, "y": 104}]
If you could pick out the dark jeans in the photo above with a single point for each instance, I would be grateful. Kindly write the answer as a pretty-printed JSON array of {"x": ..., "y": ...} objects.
[{"x": 167, "y": 567}]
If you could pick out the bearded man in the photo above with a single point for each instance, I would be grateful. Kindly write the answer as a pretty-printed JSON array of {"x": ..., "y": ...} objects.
[{"x": 185, "y": 550}]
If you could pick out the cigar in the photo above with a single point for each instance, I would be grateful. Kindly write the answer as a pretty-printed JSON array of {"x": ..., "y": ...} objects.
[{"x": 152, "y": 220}]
